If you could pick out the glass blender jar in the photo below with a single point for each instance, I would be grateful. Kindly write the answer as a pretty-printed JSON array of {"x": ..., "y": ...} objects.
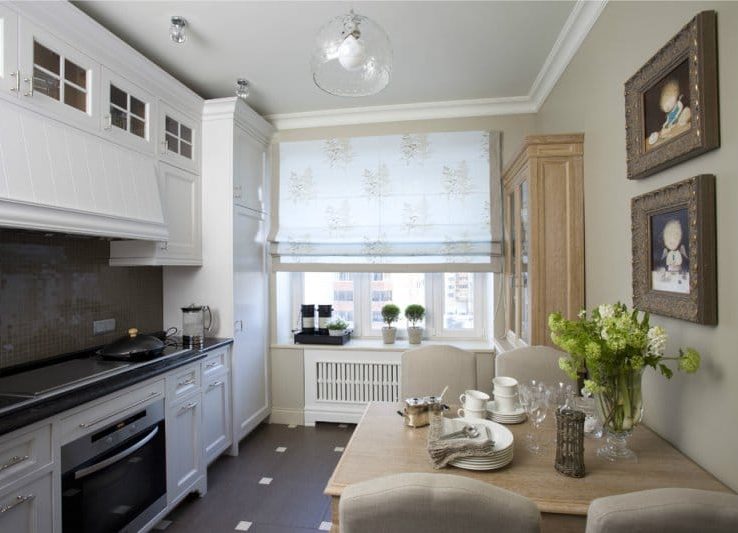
[{"x": 193, "y": 325}]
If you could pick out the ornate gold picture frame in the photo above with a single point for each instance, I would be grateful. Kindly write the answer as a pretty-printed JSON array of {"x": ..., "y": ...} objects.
[
  {"x": 674, "y": 250},
  {"x": 671, "y": 103}
]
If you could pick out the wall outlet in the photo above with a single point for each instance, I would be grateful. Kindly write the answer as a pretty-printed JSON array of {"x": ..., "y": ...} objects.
[{"x": 100, "y": 327}]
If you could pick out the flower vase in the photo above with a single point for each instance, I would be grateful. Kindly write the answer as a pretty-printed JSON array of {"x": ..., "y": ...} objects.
[{"x": 620, "y": 407}]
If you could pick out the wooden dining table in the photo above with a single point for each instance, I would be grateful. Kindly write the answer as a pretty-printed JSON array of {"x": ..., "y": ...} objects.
[{"x": 382, "y": 445}]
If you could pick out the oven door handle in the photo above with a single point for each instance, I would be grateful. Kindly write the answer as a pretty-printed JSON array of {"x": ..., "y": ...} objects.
[{"x": 84, "y": 472}]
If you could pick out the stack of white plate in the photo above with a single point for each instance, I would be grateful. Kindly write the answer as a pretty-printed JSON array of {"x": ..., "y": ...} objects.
[
  {"x": 503, "y": 448},
  {"x": 515, "y": 417}
]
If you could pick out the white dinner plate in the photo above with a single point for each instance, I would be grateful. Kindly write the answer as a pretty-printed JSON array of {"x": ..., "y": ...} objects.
[
  {"x": 492, "y": 408},
  {"x": 502, "y": 436}
]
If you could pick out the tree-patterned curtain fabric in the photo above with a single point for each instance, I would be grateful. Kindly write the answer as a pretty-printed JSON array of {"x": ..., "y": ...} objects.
[{"x": 429, "y": 201}]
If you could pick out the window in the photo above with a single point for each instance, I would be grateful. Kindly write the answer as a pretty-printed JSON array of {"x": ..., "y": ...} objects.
[
  {"x": 127, "y": 112},
  {"x": 178, "y": 137},
  {"x": 453, "y": 301},
  {"x": 58, "y": 78}
]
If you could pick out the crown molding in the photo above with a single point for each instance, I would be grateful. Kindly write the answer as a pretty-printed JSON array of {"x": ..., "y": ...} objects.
[
  {"x": 580, "y": 21},
  {"x": 576, "y": 28}
]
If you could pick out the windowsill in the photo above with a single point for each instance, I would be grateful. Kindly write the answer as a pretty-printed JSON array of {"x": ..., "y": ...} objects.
[{"x": 401, "y": 345}]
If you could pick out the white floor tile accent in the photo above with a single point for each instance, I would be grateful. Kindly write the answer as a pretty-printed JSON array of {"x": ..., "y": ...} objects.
[
  {"x": 292, "y": 426},
  {"x": 265, "y": 481},
  {"x": 338, "y": 449},
  {"x": 342, "y": 425},
  {"x": 162, "y": 525},
  {"x": 243, "y": 526},
  {"x": 280, "y": 449},
  {"x": 325, "y": 526}
]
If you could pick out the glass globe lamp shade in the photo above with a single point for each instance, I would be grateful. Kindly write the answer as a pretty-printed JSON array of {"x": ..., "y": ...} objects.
[{"x": 352, "y": 57}]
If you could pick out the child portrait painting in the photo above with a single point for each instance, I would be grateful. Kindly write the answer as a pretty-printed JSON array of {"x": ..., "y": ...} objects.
[{"x": 670, "y": 251}]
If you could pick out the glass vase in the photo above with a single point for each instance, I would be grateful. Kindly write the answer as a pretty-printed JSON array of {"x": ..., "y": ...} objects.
[{"x": 620, "y": 408}]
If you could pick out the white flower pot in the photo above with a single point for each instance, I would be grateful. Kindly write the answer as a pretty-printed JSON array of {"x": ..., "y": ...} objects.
[
  {"x": 389, "y": 334},
  {"x": 415, "y": 335},
  {"x": 336, "y": 332}
]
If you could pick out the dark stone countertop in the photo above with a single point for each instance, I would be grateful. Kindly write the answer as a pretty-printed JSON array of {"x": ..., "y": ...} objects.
[{"x": 44, "y": 406}]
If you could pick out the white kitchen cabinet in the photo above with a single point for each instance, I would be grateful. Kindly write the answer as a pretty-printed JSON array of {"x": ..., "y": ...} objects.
[
  {"x": 179, "y": 138},
  {"x": 9, "y": 81},
  {"x": 216, "y": 416},
  {"x": 128, "y": 113},
  {"x": 185, "y": 466},
  {"x": 180, "y": 191},
  {"x": 56, "y": 78},
  {"x": 27, "y": 507},
  {"x": 250, "y": 390},
  {"x": 249, "y": 170}
]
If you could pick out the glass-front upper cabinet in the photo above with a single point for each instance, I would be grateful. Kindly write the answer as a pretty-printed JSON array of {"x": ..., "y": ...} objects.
[
  {"x": 9, "y": 79},
  {"x": 127, "y": 112},
  {"x": 524, "y": 252},
  {"x": 56, "y": 77},
  {"x": 179, "y": 138},
  {"x": 517, "y": 261}
]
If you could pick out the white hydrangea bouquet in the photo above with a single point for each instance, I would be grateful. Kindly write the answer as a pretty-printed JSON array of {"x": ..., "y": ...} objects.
[{"x": 613, "y": 345}]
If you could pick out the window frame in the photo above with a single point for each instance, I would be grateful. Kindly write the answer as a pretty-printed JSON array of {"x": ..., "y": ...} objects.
[{"x": 434, "y": 299}]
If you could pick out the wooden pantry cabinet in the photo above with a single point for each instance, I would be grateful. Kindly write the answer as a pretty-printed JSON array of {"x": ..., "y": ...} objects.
[{"x": 544, "y": 235}]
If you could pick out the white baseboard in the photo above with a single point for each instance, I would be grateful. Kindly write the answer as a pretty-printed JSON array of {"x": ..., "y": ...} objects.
[{"x": 343, "y": 414}]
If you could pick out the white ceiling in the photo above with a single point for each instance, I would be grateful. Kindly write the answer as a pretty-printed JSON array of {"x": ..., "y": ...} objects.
[{"x": 443, "y": 51}]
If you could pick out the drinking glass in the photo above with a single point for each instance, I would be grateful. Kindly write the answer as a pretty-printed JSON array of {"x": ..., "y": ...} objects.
[{"x": 535, "y": 400}]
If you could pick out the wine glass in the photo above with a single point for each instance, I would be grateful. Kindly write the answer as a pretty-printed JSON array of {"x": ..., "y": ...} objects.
[{"x": 536, "y": 398}]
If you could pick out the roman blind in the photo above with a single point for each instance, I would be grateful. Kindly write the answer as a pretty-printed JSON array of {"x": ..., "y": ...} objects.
[{"x": 412, "y": 202}]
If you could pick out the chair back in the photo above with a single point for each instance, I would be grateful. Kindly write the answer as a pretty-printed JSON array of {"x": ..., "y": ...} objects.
[
  {"x": 434, "y": 503},
  {"x": 532, "y": 362},
  {"x": 428, "y": 369},
  {"x": 664, "y": 510}
]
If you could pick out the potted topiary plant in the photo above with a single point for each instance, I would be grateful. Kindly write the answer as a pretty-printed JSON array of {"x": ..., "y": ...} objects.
[
  {"x": 414, "y": 314},
  {"x": 337, "y": 327},
  {"x": 390, "y": 314}
]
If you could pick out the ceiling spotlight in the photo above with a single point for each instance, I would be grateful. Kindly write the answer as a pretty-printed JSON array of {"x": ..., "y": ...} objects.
[
  {"x": 242, "y": 88},
  {"x": 352, "y": 56},
  {"x": 177, "y": 30}
]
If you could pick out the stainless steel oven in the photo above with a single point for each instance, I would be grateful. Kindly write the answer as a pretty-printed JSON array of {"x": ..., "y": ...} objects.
[{"x": 114, "y": 480}]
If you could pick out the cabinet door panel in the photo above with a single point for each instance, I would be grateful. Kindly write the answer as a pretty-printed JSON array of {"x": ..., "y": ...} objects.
[
  {"x": 181, "y": 197},
  {"x": 178, "y": 138},
  {"x": 128, "y": 113},
  {"x": 28, "y": 509},
  {"x": 8, "y": 53},
  {"x": 216, "y": 417},
  {"x": 249, "y": 171},
  {"x": 184, "y": 446},
  {"x": 251, "y": 396},
  {"x": 57, "y": 79}
]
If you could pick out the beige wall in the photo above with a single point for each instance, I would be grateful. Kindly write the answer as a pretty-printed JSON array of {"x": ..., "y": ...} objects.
[{"x": 698, "y": 413}]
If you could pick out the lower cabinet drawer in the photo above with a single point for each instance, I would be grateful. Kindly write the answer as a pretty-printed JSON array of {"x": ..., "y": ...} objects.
[
  {"x": 183, "y": 381},
  {"x": 22, "y": 454},
  {"x": 28, "y": 508}
]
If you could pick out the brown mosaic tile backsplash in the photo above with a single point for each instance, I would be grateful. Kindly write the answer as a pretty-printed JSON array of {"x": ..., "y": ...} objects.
[{"x": 52, "y": 287}]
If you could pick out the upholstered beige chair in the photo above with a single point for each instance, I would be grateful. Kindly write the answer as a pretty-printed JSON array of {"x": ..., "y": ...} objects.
[
  {"x": 533, "y": 362},
  {"x": 428, "y": 369},
  {"x": 664, "y": 511},
  {"x": 434, "y": 503}
]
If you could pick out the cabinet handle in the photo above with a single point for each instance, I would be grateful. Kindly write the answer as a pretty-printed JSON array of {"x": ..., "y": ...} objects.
[
  {"x": 17, "y": 77},
  {"x": 18, "y": 500},
  {"x": 13, "y": 461},
  {"x": 215, "y": 384},
  {"x": 164, "y": 246},
  {"x": 108, "y": 122},
  {"x": 106, "y": 417},
  {"x": 29, "y": 81},
  {"x": 164, "y": 146},
  {"x": 212, "y": 364},
  {"x": 189, "y": 381},
  {"x": 187, "y": 407},
  {"x": 237, "y": 192}
]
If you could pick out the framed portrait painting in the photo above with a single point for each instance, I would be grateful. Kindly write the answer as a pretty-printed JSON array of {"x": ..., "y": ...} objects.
[
  {"x": 671, "y": 103},
  {"x": 674, "y": 251}
]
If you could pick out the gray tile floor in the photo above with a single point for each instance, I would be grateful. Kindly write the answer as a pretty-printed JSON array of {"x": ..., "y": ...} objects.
[{"x": 240, "y": 495}]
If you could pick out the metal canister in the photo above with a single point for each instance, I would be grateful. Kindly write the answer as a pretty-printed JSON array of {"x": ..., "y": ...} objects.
[{"x": 416, "y": 412}]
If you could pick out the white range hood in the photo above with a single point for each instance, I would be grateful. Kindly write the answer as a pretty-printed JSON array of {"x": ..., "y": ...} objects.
[{"x": 54, "y": 177}]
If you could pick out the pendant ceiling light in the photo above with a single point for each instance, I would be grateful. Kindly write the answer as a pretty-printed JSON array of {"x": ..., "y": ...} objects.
[{"x": 353, "y": 56}]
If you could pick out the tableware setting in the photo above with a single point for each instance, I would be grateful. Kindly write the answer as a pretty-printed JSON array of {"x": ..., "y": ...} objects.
[
  {"x": 471, "y": 414},
  {"x": 505, "y": 408},
  {"x": 502, "y": 450}
]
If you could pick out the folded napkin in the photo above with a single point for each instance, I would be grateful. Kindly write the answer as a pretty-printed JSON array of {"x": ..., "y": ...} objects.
[{"x": 442, "y": 452}]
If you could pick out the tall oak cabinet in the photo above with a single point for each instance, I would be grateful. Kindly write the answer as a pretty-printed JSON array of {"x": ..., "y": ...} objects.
[{"x": 544, "y": 235}]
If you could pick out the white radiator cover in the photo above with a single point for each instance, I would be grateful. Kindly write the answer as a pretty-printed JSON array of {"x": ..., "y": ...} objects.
[{"x": 339, "y": 383}]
